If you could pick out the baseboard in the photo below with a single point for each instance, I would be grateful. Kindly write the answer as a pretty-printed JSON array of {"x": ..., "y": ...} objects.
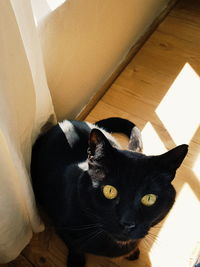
[{"x": 132, "y": 52}]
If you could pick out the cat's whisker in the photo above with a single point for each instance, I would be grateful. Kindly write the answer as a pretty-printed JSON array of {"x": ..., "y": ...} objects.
[
  {"x": 153, "y": 235},
  {"x": 90, "y": 237},
  {"x": 152, "y": 238},
  {"x": 91, "y": 214},
  {"x": 147, "y": 246},
  {"x": 79, "y": 228},
  {"x": 95, "y": 235},
  {"x": 157, "y": 227},
  {"x": 148, "y": 241}
]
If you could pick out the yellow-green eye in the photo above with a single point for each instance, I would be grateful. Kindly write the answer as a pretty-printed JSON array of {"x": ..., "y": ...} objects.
[
  {"x": 110, "y": 191},
  {"x": 149, "y": 199}
]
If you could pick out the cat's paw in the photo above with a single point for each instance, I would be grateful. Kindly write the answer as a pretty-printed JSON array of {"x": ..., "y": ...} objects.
[
  {"x": 75, "y": 260},
  {"x": 134, "y": 256}
]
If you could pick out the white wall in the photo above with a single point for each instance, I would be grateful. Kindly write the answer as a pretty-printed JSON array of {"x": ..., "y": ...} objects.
[{"x": 84, "y": 41}]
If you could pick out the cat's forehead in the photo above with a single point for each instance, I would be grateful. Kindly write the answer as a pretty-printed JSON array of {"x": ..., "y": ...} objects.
[
  {"x": 134, "y": 167},
  {"x": 133, "y": 160},
  {"x": 131, "y": 155}
]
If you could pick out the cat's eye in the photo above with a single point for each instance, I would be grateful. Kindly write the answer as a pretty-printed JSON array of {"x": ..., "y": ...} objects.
[
  {"x": 149, "y": 199},
  {"x": 110, "y": 191}
]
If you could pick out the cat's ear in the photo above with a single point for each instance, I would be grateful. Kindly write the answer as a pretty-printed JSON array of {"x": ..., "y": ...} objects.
[
  {"x": 98, "y": 145},
  {"x": 172, "y": 159},
  {"x": 99, "y": 156}
]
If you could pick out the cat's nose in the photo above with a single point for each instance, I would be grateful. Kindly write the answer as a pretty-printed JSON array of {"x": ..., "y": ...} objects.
[{"x": 128, "y": 226}]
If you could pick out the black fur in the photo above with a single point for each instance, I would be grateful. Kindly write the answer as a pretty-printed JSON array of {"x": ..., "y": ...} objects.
[{"x": 73, "y": 198}]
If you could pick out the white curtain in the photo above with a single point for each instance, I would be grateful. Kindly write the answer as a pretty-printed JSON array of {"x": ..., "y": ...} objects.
[{"x": 25, "y": 106}]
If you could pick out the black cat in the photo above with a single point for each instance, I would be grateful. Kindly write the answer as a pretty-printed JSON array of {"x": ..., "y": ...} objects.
[{"x": 102, "y": 199}]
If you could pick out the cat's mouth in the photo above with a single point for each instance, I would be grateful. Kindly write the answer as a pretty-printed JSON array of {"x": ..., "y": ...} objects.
[
  {"x": 129, "y": 237},
  {"x": 122, "y": 238},
  {"x": 125, "y": 243}
]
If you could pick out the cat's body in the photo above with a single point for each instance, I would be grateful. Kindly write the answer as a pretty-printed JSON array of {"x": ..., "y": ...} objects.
[{"x": 73, "y": 166}]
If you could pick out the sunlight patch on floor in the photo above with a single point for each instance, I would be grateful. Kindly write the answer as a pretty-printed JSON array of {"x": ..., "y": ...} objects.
[
  {"x": 151, "y": 141},
  {"x": 179, "y": 110},
  {"x": 180, "y": 232},
  {"x": 196, "y": 168}
]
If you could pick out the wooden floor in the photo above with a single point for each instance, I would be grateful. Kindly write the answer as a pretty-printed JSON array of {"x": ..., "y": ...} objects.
[{"x": 159, "y": 91}]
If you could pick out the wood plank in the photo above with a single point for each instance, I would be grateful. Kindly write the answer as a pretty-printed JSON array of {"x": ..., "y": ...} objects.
[
  {"x": 19, "y": 262},
  {"x": 46, "y": 249}
]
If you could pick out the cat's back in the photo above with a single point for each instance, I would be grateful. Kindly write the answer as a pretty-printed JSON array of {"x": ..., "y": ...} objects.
[
  {"x": 55, "y": 155},
  {"x": 63, "y": 144}
]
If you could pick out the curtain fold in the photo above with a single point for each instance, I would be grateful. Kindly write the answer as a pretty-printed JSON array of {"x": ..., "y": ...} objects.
[{"x": 25, "y": 107}]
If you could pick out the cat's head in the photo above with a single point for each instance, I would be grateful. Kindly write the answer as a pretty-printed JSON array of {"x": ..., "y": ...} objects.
[{"x": 128, "y": 191}]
